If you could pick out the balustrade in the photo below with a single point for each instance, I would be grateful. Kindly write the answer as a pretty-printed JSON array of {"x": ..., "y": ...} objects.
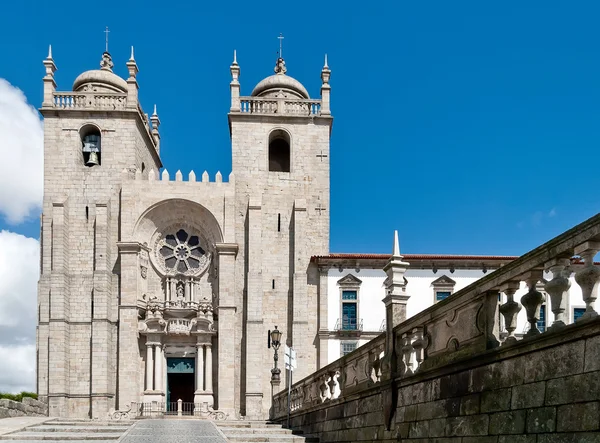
[
  {"x": 260, "y": 105},
  {"x": 464, "y": 324},
  {"x": 83, "y": 100}
]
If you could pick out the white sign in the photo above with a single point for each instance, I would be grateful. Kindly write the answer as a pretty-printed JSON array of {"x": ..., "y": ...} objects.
[{"x": 290, "y": 358}]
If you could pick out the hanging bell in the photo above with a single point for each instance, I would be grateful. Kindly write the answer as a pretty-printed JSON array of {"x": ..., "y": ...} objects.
[{"x": 92, "y": 160}]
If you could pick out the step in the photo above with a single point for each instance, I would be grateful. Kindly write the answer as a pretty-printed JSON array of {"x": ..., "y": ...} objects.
[
  {"x": 83, "y": 428},
  {"x": 247, "y": 424},
  {"x": 70, "y": 441},
  {"x": 279, "y": 438},
  {"x": 88, "y": 423},
  {"x": 246, "y": 431},
  {"x": 60, "y": 436}
]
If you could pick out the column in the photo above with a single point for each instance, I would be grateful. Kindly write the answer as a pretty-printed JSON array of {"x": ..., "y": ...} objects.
[
  {"x": 209, "y": 368},
  {"x": 226, "y": 334},
  {"x": 149, "y": 367},
  {"x": 199, "y": 368},
  {"x": 255, "y": 348},
  {"x": 158, "y": 366}
]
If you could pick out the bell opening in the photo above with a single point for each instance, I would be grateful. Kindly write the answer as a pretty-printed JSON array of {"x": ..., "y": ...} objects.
[{"x": 91, "y": 146}]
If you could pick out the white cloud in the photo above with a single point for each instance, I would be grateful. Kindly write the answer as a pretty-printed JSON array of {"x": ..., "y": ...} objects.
[
  {"x": 21, "y": 154},
  {"x": 19, "y": 273}
]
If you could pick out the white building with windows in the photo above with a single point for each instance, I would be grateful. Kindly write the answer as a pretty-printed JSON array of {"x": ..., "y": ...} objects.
[{"x": 355, "y": 285}]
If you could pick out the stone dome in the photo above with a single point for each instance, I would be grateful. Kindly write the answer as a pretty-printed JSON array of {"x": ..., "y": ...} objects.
[
  {"x": 271, "y": 85},
  {"x": 100, "y": 80}
]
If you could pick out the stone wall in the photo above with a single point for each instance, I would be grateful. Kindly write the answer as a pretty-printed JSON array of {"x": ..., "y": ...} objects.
[
  {"x": 29, "y": 407},
  {"x": 543, "y": 390}
]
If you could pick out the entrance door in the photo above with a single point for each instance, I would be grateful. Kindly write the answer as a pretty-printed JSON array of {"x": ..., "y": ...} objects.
[{"x": 180, "y": 382}]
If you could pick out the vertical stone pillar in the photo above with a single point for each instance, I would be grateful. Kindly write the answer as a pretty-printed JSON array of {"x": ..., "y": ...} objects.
[
  {"x": 49, "y": 83},
  {"x": 132, "y": 84},
  {"x": 325, "y": 89},
  {"x": 149, "y": 366},
  {"x": 395, "y": 304},
  {"x": 199, "y": 368},
  {"x": 128, "y": 372},
  {"x": 59, "y": 314},
  {"x": 209, "y": 380},
  {"x": 226, "y": 332},
  {"x": 254, "y": 352},
  {"x": 301, "y": 341},
  {"x": 158, "y": 366},
  {"x": 323, "y": 320},
  {"x": 234, "y": 86}
]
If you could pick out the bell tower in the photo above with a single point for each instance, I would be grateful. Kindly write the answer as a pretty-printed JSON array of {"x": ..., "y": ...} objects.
[
  {"x": 94, "y": 135},
  {"x": 280, "y": 157}
]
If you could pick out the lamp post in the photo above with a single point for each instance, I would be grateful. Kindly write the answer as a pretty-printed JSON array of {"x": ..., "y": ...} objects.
[
  {"x": 275, "y": 342},
  {"x": 275, "y": 372}
]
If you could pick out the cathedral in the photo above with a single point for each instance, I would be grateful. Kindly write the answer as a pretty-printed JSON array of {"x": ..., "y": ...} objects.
[{"x": 156, "y": 288}]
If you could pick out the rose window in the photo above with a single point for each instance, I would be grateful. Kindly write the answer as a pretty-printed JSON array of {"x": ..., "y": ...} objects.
[{"x": 182, "y": 252}]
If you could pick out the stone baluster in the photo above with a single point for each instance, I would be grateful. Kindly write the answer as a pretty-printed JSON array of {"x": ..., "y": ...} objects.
[
  {"x": 149, "y": 366},
  {"x": 419, "y": 343},
  {"x": 510, "y": 310},
  {"x": 557, "y": 288},
  {"x": 588, "y": 278},
  {"x": 407, "y": 352},
  {"x": 199, "y": 368},
  {"x": 324, "y": 388},
  {"x": 158, "y": 366},
  {"x": 532, "y": 301},
  {"x": 209, "y": 381},
  {"x": 332, "y": 384}
]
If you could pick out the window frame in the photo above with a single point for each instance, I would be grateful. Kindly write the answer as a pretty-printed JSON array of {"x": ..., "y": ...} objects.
[
  {"x": 279, "y": 133},
  {"x": 349, "y": 283},
  {"x": 348, "y": 342},
  {"x": 442, "y": 284}
]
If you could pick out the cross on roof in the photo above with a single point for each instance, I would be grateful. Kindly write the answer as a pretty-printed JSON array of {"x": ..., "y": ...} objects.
[
  {"x": 281, "y": 37},
  {"x": 106, "y": 32}
]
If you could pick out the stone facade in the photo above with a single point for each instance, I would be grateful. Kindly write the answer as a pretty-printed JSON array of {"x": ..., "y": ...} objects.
[{"x": 147, "y": 278}]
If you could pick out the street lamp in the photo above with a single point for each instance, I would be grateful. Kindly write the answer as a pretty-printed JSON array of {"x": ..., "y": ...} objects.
[{"x": 276, "y": 342}]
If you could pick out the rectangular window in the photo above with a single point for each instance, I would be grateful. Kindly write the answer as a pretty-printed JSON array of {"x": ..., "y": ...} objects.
[
  {"x": 541, "y": 324},
  {"x": 348, "y": 347},
  {"x": 577, "y": 313},
  {"x": 440, "y": 295},
  {"x": 349, "y": 295},
  {"x": 349, "y": 316}
]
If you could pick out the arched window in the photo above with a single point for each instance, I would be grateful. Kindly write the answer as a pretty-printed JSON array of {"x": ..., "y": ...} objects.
[
  {"x": 91, "y": 142},
  {"x": 279, "y": 151}
]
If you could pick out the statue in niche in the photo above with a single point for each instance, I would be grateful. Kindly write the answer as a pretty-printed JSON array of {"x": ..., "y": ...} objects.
[{"x": 180, "y": 294}]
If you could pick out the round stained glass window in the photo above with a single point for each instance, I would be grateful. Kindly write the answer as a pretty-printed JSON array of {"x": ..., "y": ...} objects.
[{"x": 181, "y": 253}]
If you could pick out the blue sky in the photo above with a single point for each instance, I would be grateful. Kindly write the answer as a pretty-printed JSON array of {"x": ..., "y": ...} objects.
[{"x": 471, "y": 127}]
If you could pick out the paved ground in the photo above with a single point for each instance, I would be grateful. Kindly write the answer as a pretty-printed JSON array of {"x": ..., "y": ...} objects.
[
  {"x": 13, "y": 424},
  {"x": 173, "y": 431}
]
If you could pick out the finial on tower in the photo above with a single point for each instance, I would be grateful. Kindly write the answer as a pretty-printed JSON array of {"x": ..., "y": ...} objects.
[
  {"x": 49, "y": 52},
  {"x": 132, "y": 58},
  {"x": 325, "y": 66},
  {"x": 235, "y": 57},
  {"x": 106, "y": 62},
  {"x": 154, "y": 113}
]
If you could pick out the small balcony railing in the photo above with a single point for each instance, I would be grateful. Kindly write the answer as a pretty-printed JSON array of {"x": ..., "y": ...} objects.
[{"x": 352, "y": 324}]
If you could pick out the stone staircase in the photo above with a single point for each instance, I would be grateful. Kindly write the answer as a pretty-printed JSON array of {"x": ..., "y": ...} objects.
[
  {"x": 72, "y": 431},
  {"x": 260, "y": 431}
]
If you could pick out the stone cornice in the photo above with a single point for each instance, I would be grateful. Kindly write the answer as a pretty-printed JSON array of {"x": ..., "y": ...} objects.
[
  {"x": 227, "y": 248},
  {"x": 129, "y": 247}
]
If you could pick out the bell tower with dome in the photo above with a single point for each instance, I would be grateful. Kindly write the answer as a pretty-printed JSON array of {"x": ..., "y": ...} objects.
[
  {"x": 280, "y": 157},
  {"x": 94, "y": 137}
]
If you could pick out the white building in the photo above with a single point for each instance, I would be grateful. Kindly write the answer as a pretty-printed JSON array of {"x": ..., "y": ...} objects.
[{"x": 354, "y": 283}]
